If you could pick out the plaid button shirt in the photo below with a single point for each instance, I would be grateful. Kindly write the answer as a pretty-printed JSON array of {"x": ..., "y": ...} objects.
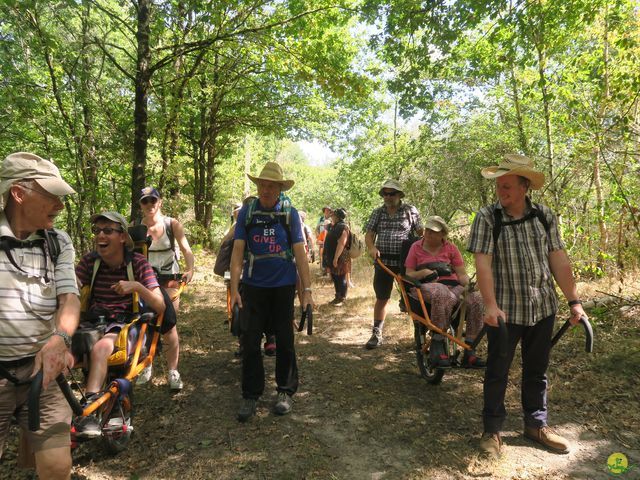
[
  {"x": 391, "y": 231},
  {"x": 524, "y": 285}
]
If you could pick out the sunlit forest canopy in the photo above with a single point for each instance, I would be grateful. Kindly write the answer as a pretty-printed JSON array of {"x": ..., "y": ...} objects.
[{"x": 189, "y": 95}]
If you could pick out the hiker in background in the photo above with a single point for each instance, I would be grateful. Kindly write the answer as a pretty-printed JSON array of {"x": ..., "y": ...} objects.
[
  {"x": 386, "y": 229},
  {"x": 439, "y": 262},
  {"x": 336, "y": 251},
  {"x": 271, "y": 238},
  {"x": 518, "y": 253},
  {"x": 39, "y": 310},
  {"x": 167, "y": 234},
  {"x": 322, "y": 228},
  {"x": 308, "y": 238}
]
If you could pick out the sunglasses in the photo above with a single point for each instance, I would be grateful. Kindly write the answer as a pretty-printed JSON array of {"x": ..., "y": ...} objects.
[
  {"x": 105, "y": 230},
  {"x": 389, "y": 194},
  {"x": 151, "y": 200}
]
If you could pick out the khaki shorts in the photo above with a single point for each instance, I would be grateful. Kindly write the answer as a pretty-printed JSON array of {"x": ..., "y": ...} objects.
[{"x": 55, "y": 413}]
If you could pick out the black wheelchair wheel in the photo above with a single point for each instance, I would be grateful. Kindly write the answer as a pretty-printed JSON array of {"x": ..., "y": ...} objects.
[
  {"x": 422, "y": 337},
  {"x": 117, "y": 423}
]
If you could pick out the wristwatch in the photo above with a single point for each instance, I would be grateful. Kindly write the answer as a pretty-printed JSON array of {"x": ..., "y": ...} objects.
[
  {"x": 575, "y": 302},
  {"x": 65, "y": 336}
]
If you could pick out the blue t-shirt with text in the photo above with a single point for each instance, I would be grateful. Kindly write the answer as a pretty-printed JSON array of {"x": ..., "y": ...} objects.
[{"x": 265, "y": 235}]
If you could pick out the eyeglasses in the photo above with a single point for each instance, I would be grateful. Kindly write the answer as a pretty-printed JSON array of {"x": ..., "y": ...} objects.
[
  {"x": 106, "y": 230},
  {"x": 389, "y": 194},
  {"x": 151, "y": 200},
  {"x": 45, "y": 194}
]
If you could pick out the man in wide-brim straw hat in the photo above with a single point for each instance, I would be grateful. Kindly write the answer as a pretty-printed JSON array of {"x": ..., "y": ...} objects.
[
  {"x": 388, "y": 227},
  {"x": 518, "y": 254},
  {"x": 269, "y": 237}
]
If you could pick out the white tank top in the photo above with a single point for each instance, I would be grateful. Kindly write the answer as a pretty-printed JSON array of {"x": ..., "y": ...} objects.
[{"x": 161, "y": 257}]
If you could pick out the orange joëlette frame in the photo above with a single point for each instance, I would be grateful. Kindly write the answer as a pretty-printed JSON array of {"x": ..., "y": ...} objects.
[
  {"x": 135, "y": 368},
  {"x": 425, "y": 320}
]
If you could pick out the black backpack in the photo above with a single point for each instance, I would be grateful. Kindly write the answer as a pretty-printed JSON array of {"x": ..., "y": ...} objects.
[
  {"x": 49, "y": 244},
  {"x": 535, "y": 212}
]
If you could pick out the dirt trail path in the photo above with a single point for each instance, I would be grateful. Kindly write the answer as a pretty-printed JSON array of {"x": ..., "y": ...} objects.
[{"x": 359, "y": 414}]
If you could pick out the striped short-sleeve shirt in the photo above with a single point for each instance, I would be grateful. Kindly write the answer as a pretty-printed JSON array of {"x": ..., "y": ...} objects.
[
  {"x": 104, "y": 298},
  {"x": 523, "y": 282},
  {"x": 392, "y": 230},
  {"x": 28, "y": 297}
]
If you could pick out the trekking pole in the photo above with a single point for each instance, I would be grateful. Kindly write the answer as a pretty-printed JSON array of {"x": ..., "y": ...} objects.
[
  {"x": 503, "y": 337},
  {"x": 588, "y": 332},
  {"x": 33, "y": 401},
  {"x": 307, "y": 315}
]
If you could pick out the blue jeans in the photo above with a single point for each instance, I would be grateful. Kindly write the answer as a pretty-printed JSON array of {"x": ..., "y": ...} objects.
[
  {"x": 262, "y": 308},
  {"x": 535, "y": 346}
]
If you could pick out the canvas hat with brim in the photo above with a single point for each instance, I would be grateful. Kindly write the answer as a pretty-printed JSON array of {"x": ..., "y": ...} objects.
[
  {"x": 340, "y": 213},
  {"x": 28, "y": 166},
  {"x": 391, "y": 184},
  {"x": 272, "y": 172},
  {"x": 437, "y": 224},
  {"x": 514, "y": 164},
  {"x": 116, "y": 218}
]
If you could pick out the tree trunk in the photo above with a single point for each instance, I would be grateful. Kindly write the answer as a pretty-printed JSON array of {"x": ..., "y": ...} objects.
[
  {"x": 140, "y": 114},
  {"x": 519, "y": 120}
]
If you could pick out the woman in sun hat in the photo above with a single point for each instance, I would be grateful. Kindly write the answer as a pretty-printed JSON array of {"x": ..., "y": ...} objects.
[{"x": 439, "y": 261}]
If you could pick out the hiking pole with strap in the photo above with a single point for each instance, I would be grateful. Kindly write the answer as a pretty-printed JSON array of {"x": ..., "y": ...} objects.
[
  {"x": 588, "y": 332},
  {"x": 503, "y": 337},
  {"x": 33, "y": 399},
  {"x": 307, "y": 315}
]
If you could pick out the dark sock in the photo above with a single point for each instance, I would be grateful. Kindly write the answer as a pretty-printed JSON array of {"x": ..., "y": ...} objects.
[{"x": 378, "y": 324}]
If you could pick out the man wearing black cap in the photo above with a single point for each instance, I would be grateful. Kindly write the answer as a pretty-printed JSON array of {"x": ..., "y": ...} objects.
[{"x": 39, "y": 309}]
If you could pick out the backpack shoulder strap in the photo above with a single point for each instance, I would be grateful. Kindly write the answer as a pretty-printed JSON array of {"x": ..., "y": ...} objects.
[
  {"x": 168, "y": 227},
  {"x": 52, "y": 244},
  {"x": 542, "y": 218},
  {"x": 497, "y": 225}
]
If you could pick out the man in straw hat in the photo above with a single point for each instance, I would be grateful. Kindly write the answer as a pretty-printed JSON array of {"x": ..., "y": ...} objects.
[
  {"x": 387, "y": 228},
  {"x": 269, "y": 235},
  {"x": 518, "y": 252},
  {"x": 39, "y": 309},
  {"x": 112, "y": 290}
]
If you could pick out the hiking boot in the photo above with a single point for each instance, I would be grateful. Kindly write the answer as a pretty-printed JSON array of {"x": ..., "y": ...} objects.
[
  {"x": 174, "y": 380},
  {"x": 375, "y": 340},
  {"x": 471, "y": 360},
  {"x": 491, "y": 444},
  {"x": 87, "y": 427},
  {"x": 549, "y": 439},
  {"x": 247, "y": 409},
  {"x": 438, "y": 354},
  {"x": 283, "y": 404},
  {"x": 270, "y": 346},
  {"x": 337, "y": 302},
  {"x": 145, "y": 375}
]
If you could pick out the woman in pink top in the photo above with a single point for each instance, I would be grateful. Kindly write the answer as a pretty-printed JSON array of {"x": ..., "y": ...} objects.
[{"x": 442, "y": 287}]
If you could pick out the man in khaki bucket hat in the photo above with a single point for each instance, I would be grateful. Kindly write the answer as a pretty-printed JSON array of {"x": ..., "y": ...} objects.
[
  {"x": 36, "y": 335},
  {"x": 518, "y": 253}
]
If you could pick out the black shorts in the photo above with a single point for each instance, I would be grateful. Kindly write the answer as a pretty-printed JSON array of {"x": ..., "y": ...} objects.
[{"x": 383, "y": 282}]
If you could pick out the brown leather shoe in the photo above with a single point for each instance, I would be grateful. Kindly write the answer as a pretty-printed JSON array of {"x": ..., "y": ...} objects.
[
  {"x": 549, "y": 439},
  {"x": 491, "y": 443}
]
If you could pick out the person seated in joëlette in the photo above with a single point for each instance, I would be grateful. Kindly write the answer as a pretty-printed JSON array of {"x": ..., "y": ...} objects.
[
  {"x": 439, "y": 265},
  {"x": 112, "y": 296}
]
